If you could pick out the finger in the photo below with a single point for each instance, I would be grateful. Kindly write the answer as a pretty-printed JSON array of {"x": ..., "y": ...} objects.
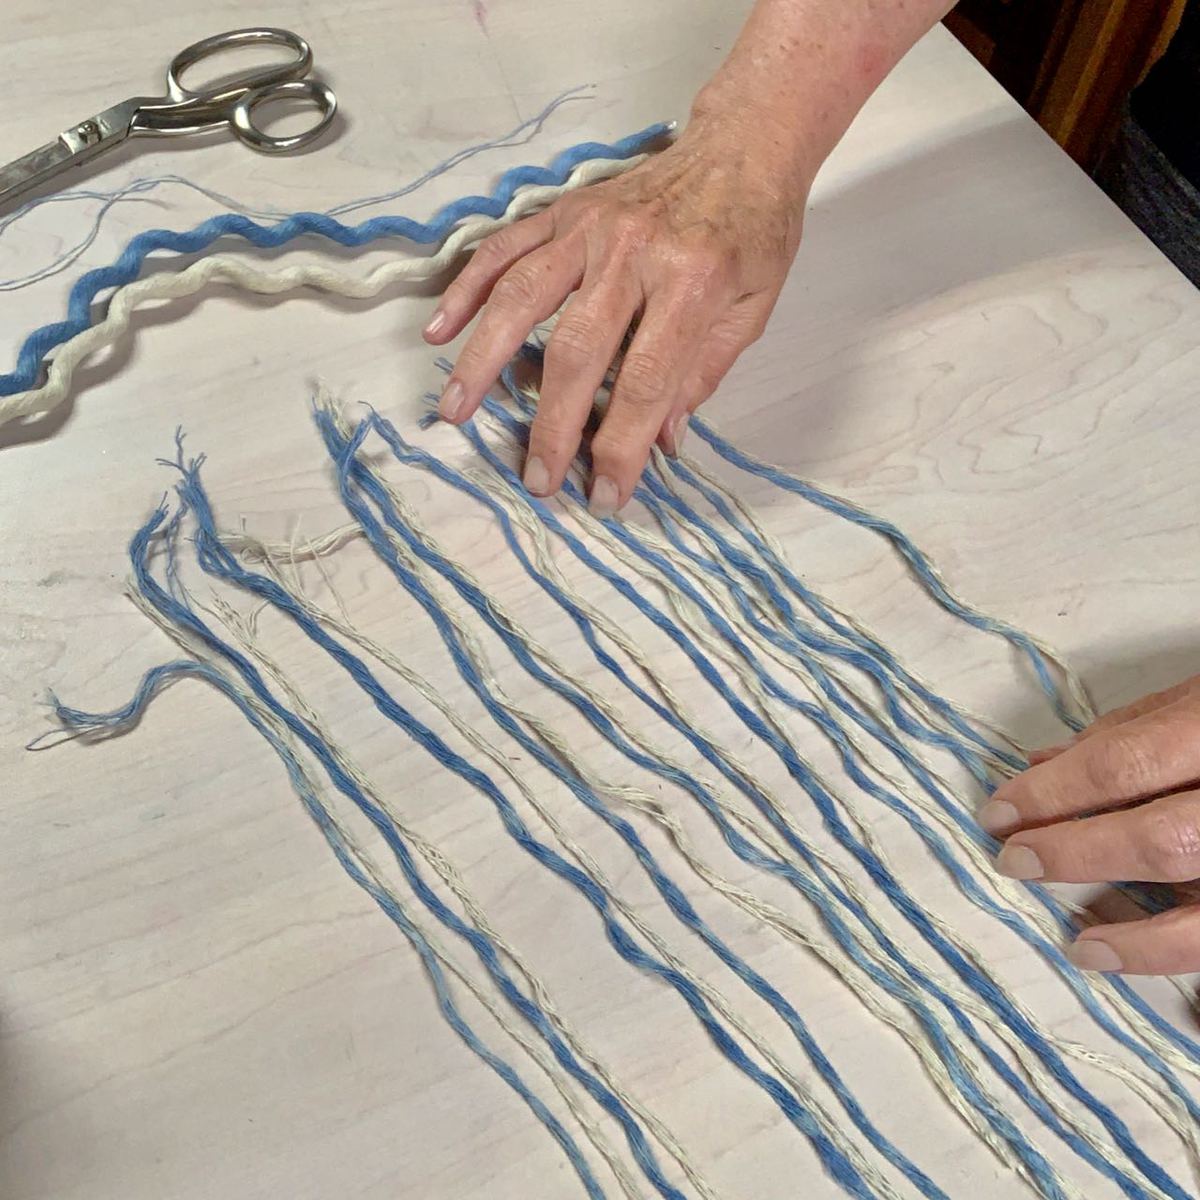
[
  {"x": 1166, "y": 944},
  {"x": 646, "y": 387},
  {"x": 578, "y": 356},
  {"x": 1139, "y": 708},
  {"x": 1046, "y": 753},
  {"x": 1121, "y": 716},
  {"x": 1157, "y": 842},
  {"x": 1156, "y": 752},
  {"x": 467, "y": 293},
  {"x": 728, "y": 340},
  {"x": 528, "y": 292}
]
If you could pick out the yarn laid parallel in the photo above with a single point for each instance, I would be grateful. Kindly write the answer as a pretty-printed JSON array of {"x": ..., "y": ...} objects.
[
  {"x": 949, "y": 1020},
  {"x": 772, "y": 657}
]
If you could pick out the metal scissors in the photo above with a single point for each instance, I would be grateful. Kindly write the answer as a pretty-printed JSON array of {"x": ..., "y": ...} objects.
[{"x": 229, "y": 101}]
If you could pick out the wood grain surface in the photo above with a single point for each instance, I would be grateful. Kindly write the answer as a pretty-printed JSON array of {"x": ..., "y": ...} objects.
[{"x": 194, "y": 1001}]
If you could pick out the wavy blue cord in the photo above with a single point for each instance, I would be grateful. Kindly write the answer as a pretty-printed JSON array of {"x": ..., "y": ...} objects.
[
  {"x": 128, "y": 266},
  {"x": 122, "y": 718}
]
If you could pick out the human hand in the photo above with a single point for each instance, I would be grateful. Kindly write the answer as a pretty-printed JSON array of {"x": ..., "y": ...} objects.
[
  {"x": 1134, "y": 778},
  {"x": 694, "y": 244}
]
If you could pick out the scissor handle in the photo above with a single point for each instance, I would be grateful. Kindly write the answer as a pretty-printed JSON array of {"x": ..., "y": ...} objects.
[
  {"x": 228, "y": 91},
  {"x": 242, "y": 117}
]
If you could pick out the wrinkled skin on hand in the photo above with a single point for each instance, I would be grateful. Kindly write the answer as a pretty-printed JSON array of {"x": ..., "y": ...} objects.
[
  {"x": 693, "y": 245},
  {"x": 1121, "y": 801}
]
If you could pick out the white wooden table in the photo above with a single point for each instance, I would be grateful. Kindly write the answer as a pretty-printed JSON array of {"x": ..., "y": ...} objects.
[{"x": 194, "y": 1001}]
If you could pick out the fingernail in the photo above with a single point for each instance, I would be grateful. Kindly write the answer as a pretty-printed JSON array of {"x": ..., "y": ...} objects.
[
  {"x": 998, "y": 816},
  {"x": 1094, "y": 955},
  {"x": 436, "y": 322},
  {"x": 604, "y": 498},
  {"x": 537, "y": 478},
  {"x": 1019, "y": 862},
  {"x": 679, "y": 433},
  {"x": 450, "y": 405},
  {"x": 1038, "y": 756}
]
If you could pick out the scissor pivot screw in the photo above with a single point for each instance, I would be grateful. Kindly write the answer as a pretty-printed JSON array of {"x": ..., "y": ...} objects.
[{"x": 89, "y": 132}]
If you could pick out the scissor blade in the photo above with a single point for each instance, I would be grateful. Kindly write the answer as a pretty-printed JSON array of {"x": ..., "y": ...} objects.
[
  {"x": 71, "y": 148},
  {"x": 34, "y": 169}
]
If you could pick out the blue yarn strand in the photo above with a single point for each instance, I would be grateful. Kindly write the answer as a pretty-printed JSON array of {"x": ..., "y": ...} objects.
[
  {"x": 669, "y": 510},
  {"x": 887, "y": 882},
  {"x": 408, "y": 454},
  {"x": 876, "y": 659},
  {"x": 122, "y": 718},
  {"x": 216, "y": 560},
  {"x": 194, "y": 499},
  {"x": 674, "y": 897},
  {"x": 817, "y": 606},
  {"x": 915, "y": 557},
  {"x": 748, "y": 853},
  {"x": 923, "y": 569},
  {"x": 1072, "y": 975}
]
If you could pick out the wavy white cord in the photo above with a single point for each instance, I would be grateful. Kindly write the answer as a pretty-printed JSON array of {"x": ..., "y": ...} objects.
[{"x": 228, "y": 268}]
